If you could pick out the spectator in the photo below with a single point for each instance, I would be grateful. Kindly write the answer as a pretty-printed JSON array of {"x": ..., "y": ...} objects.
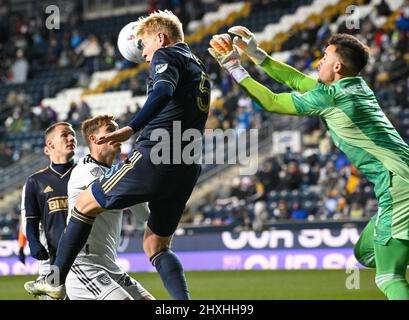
[
  {"x": 331, "y": 204},
  {"x": 73, "y": 115},
  {"x": 297, "y": 212},
  {"x": 90, "y": 49},
  {"x": 402, "y": 23},
  {"x": 6, "y": 155},
  {"x": 357, "y": 211},
  {"x": 260, "y": 216},
  {"x": 76, "y": 39},
  {"x": 84, "y": 111},
  {"x": 292, "y": 178},
  {"x": 20, "y": 68},
  {"x": 47, "y": 116},
  {"x": 281, "y": 212}
]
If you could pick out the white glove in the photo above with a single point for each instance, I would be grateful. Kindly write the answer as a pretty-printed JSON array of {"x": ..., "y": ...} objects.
[
  {"x": 227, "y": 56},
  {"x": 246, "y": 41}
]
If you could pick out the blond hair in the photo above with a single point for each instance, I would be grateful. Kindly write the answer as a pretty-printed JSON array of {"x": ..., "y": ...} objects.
[
  {"x": 161, "y": 21},
  {"x": 91, "y": 126}
]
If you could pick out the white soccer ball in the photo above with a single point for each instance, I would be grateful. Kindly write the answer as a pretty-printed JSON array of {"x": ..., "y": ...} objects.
[{"x": 129, "y": 46}]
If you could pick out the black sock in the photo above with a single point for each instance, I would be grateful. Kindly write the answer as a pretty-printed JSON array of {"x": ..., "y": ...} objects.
[{"x": 171, "y": 271}]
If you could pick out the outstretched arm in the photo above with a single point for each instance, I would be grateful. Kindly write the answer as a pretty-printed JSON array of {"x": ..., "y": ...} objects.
[
  {"x": 288, "y": 75},
  {"x": 281, "y": 72},
  {"x": 268, "y": 100}
]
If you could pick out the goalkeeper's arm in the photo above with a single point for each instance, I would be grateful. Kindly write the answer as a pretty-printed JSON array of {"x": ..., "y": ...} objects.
[
  {"x": 268, "y": 100},
  {"x": 288, "y": 75}
]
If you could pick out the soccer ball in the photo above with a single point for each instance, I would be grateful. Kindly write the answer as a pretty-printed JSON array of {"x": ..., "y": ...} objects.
[{"x": 129, "y": 46}]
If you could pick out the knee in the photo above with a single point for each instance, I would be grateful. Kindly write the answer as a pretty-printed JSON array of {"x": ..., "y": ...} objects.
[
  {"x": 365, "y": 258},
  {"x": 87, "y": 205},
  {"x": 152, "y": 245}
]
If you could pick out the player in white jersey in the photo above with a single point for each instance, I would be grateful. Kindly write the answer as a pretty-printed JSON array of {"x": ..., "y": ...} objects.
[{"x": 95, "y": 275}]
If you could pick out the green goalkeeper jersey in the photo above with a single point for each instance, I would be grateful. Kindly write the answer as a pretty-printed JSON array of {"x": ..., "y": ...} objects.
[
  {"x": 359, "y": 128},
  {"x": 351, "y": 113}
]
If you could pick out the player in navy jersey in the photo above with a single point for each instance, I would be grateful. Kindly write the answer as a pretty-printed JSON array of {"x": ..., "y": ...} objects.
[
  {"x": 178, "y": 96},
  {"x": 45, "y": 200}
]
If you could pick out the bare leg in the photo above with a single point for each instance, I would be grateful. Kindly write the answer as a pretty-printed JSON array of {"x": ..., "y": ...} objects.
[{"x": 167, "y": 264}]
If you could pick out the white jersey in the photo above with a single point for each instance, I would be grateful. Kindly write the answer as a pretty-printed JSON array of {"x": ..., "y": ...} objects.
[{"x": 102, "y": 244}]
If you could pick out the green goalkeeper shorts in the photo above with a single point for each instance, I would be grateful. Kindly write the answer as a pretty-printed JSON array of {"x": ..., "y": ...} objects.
[{"x": 392, "y": 218}]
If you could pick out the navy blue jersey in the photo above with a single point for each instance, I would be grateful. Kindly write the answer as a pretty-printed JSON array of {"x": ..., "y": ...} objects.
[
  {"x": 46, "y": 199},
  {"x": 179, "y": 67}
]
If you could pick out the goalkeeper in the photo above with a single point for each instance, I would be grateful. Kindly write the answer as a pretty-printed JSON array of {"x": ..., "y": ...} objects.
[{"x": 358, "y": 127}]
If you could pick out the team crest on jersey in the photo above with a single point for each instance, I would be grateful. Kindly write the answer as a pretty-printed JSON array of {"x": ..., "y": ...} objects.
[
  {"x": 104, "y": 279},
  {"x": 96, "y": 172},
  {"x": 161, "y": 67}
]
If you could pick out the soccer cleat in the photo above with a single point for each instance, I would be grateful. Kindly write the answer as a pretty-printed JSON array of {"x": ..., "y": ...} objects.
[{"x": 42, "y": 287}]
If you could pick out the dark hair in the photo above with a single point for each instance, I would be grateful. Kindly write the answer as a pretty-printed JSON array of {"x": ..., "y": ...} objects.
[
  {"x": 353, "y": 52},
  {"x": 51, "y": 128}
]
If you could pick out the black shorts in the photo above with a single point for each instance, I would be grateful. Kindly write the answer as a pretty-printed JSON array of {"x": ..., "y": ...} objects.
[{"x": 134, "y": 180}]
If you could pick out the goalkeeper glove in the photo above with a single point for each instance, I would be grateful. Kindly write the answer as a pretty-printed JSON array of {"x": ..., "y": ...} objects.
[
  {"x": 227, "y": 56},
  {"x": 247, "y": 42}
]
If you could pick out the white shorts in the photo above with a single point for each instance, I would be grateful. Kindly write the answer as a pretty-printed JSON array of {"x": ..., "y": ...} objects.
[{"x": 87, "y": 282}]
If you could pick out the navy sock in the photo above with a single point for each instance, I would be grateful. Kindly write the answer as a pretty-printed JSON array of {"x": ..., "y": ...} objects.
[
  {"x": 72, "y": 241},
  {"x": 171, "y": 271}
]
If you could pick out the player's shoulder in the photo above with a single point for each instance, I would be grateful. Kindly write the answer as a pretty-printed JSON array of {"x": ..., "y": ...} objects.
[
  {"x": 39, "y": 173},
  {"x": 352, "y": 85},
  {"x": 326, "y": 90},
  {"x": 176, "y": 52},
  {"x": 321, "y": 94},
  {"x": 86, "y": 166}
]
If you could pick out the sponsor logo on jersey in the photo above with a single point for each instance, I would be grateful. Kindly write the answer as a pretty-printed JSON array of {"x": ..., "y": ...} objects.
[
  {"x": 104, "y": 279},
  {"x": 57, "y": 204},
  {"x": 48, "y": 189},
  {"x": 161, "y": 67}
]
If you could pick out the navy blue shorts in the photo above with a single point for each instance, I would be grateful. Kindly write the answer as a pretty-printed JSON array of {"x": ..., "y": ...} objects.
[{"x": 134, "y": 180}]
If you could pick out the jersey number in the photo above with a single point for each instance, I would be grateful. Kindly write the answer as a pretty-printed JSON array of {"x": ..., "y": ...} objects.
[{"x": 203, "y": 98}]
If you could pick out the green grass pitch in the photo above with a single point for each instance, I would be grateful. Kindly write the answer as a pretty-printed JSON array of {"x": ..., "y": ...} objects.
[{"x": 243, "y": 285}]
